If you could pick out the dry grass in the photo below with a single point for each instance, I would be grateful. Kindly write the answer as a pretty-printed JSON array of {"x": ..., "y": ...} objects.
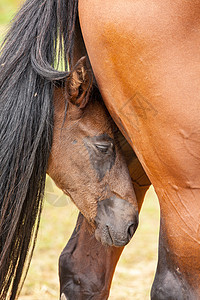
[{"x": 134, "y": 273}]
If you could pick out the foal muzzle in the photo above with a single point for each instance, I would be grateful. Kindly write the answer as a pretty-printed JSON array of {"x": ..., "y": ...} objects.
[{"x": 116, "y": 221}]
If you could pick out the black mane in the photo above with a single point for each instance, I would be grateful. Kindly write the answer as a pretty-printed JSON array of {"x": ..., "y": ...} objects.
[{"x": 40, "y": 33}]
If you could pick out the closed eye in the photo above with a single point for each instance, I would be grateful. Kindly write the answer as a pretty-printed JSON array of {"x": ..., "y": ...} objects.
[{"x": 103, "y": 147}]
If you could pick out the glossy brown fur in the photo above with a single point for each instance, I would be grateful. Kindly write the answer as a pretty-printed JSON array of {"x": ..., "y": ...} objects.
[{"x": 146, "y": 60}]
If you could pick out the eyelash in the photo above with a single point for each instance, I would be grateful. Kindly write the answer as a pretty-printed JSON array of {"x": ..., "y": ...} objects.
[{"x": 102, "y": 148}]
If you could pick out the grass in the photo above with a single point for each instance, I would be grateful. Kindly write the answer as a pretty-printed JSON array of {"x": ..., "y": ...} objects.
[
  {"x": 134, "y": 273},
  {"x": 7, "y": 10}
]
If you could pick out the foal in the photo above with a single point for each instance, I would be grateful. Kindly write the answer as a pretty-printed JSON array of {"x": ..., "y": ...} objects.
[
  {"x": 86, "y": 161},
  {"x": 86, "y": 266}
]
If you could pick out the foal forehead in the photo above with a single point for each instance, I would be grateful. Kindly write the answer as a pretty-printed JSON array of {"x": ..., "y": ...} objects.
[{"x": 97, "y": 114}]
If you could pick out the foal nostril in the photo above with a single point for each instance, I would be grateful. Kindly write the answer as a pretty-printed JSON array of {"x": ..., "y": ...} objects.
[{"x": 131, "y": 231}]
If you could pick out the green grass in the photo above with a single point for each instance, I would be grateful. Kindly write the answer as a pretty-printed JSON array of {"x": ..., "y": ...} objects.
[{"x": 7, "y": 10}]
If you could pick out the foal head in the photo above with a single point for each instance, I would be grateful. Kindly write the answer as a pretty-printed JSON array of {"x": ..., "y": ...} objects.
[{"x": 86, "y": 161}]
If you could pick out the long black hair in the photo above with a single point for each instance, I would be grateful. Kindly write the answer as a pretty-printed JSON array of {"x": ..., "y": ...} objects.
[{"x": 40, "y": 34}]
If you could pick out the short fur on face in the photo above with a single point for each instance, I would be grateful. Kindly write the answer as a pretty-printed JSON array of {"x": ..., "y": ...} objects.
[{"x": 86, "y": 161}]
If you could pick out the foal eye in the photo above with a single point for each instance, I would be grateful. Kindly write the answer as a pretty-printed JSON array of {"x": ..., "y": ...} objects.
[{"x": 103, "y": 147}]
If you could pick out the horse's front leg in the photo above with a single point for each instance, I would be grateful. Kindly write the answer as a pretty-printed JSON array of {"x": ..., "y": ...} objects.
[
  {"x": 86, "y": 267},
  {"x": 169, "y": 282}
]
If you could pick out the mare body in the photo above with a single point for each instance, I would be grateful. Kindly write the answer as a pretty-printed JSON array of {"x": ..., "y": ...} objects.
[{"x": 146, "y": 61}]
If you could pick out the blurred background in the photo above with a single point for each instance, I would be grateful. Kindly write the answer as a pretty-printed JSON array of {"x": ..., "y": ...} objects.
[{"x": 135, "y": 271}]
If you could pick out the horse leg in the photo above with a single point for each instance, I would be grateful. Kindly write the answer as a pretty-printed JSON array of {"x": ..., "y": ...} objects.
[
  {"x": 177, "y": 275},
  {"x": 86, "y": 267},
  {"x": 168, "y": 282}
]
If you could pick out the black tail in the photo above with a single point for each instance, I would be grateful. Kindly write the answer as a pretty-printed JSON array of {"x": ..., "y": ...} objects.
[{"x": 41, "y": 32}]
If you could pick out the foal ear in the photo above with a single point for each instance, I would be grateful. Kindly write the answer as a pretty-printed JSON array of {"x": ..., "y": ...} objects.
[{"x": 79, "y": 84}]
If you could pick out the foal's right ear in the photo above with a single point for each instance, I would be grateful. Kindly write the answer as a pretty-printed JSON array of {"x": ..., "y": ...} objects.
[{"x": 78, "y": 84}]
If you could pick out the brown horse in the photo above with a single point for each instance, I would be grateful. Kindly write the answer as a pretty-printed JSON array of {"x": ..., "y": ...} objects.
[
  {"x": 86, "y": 161},
  {"x": 87, "y": 265},
  {"x": 145, "y": 58}
]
